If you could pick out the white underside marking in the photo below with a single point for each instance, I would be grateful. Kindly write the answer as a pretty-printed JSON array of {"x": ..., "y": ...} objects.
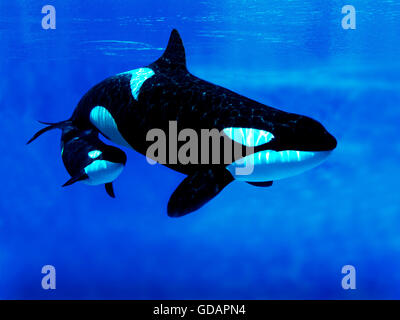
[
  {"x": 269, "y": 165},
  {"x": 102, "y": 171},
  {"x": 248, "y": 136},
  {"x": 102, "y": 119},
  {"x": 138, "y": 77}
]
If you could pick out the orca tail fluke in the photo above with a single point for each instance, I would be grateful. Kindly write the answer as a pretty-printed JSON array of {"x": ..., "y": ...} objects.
[{"x": 50, "y": 126}]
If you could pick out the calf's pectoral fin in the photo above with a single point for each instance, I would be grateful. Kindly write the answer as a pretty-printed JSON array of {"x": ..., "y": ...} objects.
[
  {"x": 80, "y": 177},
  {"x": 196, "y": 190}
]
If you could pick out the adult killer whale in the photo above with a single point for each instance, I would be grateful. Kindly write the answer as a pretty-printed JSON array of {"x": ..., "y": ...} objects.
[{"x": 125, "y": 107}]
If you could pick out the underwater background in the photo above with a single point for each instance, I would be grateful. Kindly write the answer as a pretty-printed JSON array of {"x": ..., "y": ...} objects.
[{"x": 289, "y": 241}]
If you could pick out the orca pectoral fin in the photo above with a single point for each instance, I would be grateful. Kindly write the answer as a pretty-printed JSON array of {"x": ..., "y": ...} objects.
[
  {"x": 261, "y": 184},
  {"x": 196, "y": 190},
  {"x": 110, "y": 189},
  {"x": 77, "y": 178}
]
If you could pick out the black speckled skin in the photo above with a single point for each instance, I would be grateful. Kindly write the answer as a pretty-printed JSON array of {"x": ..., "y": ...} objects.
[{"x": 172, "y": 93}]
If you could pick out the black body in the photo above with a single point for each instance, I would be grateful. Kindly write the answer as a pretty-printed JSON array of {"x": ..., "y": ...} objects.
[{"x": 174, "y": 94}]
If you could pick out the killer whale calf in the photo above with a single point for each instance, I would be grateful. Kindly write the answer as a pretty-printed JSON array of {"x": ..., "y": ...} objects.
[
  {"x": 125, "y": 107},
  {"x": 86, "y": 157}
]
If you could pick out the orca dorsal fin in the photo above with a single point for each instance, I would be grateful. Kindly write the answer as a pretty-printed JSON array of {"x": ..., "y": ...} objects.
[{"x": 174, "y": 55}]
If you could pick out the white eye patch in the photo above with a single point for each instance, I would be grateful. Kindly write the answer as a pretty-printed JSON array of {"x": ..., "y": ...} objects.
[
  {"x": 94, "y": 154},
  {"x": 249, "y": 137}
]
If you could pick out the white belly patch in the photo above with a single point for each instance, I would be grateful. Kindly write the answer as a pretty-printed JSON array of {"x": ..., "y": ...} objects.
[
  {"x": 102, "y": 119},
  {"x": 102, "y": 171},
  {"x": 269, "y": 165}
]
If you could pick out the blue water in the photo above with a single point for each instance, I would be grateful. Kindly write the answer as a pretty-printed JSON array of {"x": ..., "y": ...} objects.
[{"x": 288, "y": 241}]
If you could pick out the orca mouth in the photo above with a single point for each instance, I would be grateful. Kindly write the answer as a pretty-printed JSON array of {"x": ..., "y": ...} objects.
[
  {"x": 269, "y": 165},
  {"x": 319, "y": 143}
]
